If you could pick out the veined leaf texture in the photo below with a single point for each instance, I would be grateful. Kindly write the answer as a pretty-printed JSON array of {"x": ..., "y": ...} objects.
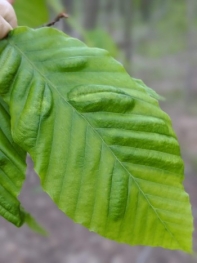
[
  {"x": 104, "y": 150},
  {"x": 12, "y": 176},
  {"x": 12, "y": 171}
]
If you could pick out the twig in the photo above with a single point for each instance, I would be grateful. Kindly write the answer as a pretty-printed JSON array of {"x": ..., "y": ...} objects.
[{"x": 57, "y": 19}]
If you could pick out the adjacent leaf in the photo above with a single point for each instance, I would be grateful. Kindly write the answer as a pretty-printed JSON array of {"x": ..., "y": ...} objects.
[
  {"x": 150, "y": 91},
  {"x": 56, "y": 5},
  {"x": 12, "y": 176},
  {"x": 32, "y": 13},
  {"x": 102, "y": 39},
  {"x": 33, "y": 225},
  {"x": 12, "y": 171},
  {"x": 104, "y": 150}
]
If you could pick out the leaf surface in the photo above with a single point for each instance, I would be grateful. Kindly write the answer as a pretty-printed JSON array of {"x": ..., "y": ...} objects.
[
  {"x": 101, "y": 39},
  {"x": 12, "y": 171},
  {"x": 104, "y": 150},
  {"x": 12, "y": 176}
]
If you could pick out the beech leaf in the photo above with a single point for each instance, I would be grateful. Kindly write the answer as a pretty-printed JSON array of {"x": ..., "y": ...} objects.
[{"x": 104, "y": 150}]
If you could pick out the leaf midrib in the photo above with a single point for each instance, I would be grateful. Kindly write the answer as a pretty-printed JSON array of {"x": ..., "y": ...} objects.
[{"x": 127, "y": 172}]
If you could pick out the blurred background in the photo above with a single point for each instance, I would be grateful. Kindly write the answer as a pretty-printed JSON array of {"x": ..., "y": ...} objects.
[{"x": 156, "y": 40}]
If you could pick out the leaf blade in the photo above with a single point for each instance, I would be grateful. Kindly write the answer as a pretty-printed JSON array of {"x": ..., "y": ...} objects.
[
  {"x": 12, "y": 171},
  {"x": 12, "y": 176},
  {"x": 122, "y": 157}
]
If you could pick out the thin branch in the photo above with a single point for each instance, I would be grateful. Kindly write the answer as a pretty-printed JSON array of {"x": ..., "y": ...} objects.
[{"x": 57, "y": 19}]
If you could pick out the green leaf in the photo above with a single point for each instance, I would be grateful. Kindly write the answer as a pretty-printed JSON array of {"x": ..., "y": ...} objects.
[
  {"x": 34, "y": 225},
  {"x": 56, "y": 5},
  {"x": 102, "y": 39},
  {"x": 12, "y": 171},
  {"x": 104, "y": 150},
  {"x": 150, "y": 91},
  {"x": 12, "y": 176},
  {"x": 32, "y": 13}
]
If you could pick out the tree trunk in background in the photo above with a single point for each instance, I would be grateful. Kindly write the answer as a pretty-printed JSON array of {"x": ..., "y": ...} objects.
[
  {"x": 69, "y": 5},
  {"x": 121, "y": 7},
  {"x": 191, "y": 79},
  {"x": 145, "y": 7},
  {"x": 69, "y": 10},
  {"x": 128, "y": 20},
  {"x": 91, "y": 8},
  {"x": 162, "y": 8},
  {"x": 109, "y": 7}
]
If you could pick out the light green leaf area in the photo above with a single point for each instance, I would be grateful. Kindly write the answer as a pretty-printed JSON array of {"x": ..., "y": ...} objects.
[
  {"x": 32, "y": 13},
  {"x": 56, "y": 5},
  {"x": 12, "y": 171},
  {"x": 104, "y": 150},
  {"x": 100, "y": 38}
]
